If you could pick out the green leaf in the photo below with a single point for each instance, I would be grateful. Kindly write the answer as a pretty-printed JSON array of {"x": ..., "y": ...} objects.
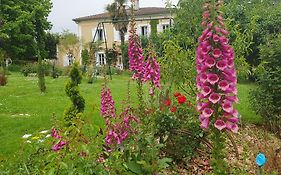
[
  {"x": 163, "y": 163},
  {"x": 142, "y": 162},
  {"x": 52, "y": 171},
  {"x": 51, "y": 156},
  {"x": 134, "y": 167},
  {"x": 64, "y": 165}
]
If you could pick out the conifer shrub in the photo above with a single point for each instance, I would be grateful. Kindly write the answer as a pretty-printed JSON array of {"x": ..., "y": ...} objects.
[{"x": 72, "y": 91}]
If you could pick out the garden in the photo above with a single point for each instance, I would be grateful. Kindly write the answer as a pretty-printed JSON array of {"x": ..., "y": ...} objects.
[{"x": 203, "y": 97}]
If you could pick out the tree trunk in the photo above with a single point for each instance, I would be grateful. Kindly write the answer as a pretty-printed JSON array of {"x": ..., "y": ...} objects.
[{"x": 122, "y": 36}]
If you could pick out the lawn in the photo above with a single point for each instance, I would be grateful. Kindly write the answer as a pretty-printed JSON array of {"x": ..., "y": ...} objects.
[{"x": 23, "y": 109}]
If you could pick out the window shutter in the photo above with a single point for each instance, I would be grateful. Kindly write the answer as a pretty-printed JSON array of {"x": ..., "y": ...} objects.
[
  {"x": 159, "y": 28},
  {"x": 127, "y": 36},
  {"x": 139, "y": 30},
  {"x": 148, "y": 30},
  {"x": 116, "y": 35}
]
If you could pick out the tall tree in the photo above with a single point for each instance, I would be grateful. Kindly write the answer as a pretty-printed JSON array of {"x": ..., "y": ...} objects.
[
  {"x": 120, "y": 20},
  {"x": 51, "y": 42},
  {"x": 17, "y": 32}
]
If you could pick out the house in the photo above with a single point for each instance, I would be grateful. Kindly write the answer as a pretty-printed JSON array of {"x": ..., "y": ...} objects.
[{"x": 99, "y": 27}]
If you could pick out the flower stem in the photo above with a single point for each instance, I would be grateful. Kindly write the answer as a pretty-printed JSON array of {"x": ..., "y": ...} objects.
[{"x": 218, "y": 162}]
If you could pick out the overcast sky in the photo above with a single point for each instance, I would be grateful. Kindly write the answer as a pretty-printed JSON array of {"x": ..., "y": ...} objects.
[{"x": 65, "y": 10}]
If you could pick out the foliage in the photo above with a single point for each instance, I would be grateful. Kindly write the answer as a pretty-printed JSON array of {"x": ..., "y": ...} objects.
[
  {"x": 29, "y": 68},
  {"x": 41, "y": 77},
  {"x": 218, "y": 162},
  {"x": 30, "y": 102},
  {"x": 51, "y": 42},
  {"x": 72, "y": 91},
  {"x": 178, "y": 128},
  {"x": 178, "y": 67},
  {"x": 111, "y": 57},
  {"x": 20, "y": 21},
  {"x": 69, "y": 44},
  {"x": 118, "y": 14},
  {"x": 124, "y": 49},
  {"x": 153, "y": 24},
  {"x": 89, "y": 57},
  {"x": 188, "y": 32},
  {"x": 3, "y": 77},
  {"x": 266, "y": 98},
  {"x": 32, "y": 68},
  {"x": 85, "y": 59},
  {"x": 256, "y": 19}
]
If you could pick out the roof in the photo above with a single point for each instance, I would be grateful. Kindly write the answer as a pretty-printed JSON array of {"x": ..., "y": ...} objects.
[{"x": 139, "y": 12}]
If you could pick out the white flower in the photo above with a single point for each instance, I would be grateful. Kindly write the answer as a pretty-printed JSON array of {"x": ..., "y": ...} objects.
[
  {"x": 44, "y": 131},
  {"x": 40, "y": 140},
  {"x": 49, "y": 135},
  {"x": 25, "y": 136},
  {"x": 28, "y": 141}
]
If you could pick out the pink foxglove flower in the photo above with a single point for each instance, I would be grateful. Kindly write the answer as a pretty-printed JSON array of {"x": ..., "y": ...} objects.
[
  {"x": 216, "y": 75},
  {"x": 57, "y": 145},
  {"x": 122, "y": 129},
  {"x": 135, "y": 54},
  {"x": 220, "y": 124},
  {"x": 107, "y": 108},
  {"x": 152, "y": 69}
]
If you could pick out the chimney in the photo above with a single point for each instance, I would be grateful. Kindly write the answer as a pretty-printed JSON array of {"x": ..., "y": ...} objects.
[{"x": 136, "y": 4}]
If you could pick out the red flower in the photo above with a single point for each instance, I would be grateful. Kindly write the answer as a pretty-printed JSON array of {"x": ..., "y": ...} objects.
[
  {"x": 173, "y": 109},
  {"x": 168, "y": 102},
  {"x": 177, "y": 94},
  {"x": 181, "y": 99}
]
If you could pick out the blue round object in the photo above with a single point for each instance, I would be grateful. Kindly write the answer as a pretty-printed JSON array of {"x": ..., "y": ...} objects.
[{"x": 260, "y": 159}]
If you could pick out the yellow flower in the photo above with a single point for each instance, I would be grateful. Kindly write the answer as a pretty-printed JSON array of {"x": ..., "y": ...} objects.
[{"x": 35, "y": 138}]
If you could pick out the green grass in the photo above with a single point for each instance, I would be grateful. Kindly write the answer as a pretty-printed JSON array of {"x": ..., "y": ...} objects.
[
  {"x": 22, "y": 96},
  {"x": 248, "y": 115}
]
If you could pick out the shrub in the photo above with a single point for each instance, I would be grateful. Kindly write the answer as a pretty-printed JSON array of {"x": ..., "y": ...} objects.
[
  {"x": 266, "y": 98},
  {"x": 72, "y": 91},
  {"x": 30, "y": 68},
  {"x": 14, "y": 68},
  {"x": 178, "y": 128}
]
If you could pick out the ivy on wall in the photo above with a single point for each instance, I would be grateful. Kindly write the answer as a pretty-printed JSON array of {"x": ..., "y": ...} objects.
[{"x": 153, "y": 24}]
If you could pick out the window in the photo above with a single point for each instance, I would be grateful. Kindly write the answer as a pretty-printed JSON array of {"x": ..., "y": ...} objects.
[
  {"x": 165, "y": 26},
  {"x": 144, "y": 31},
  {"x": 101, "y": 59},
  {"x": 100, "y": 34}
]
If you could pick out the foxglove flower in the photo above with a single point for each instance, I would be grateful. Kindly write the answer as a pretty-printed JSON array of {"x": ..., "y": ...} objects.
[
  {"x": 107, "y": 108},
  {"x": 121, "y": 130},
  {"x": 216, "y": 75},
  {"x": 135, "y": 54},
  {"x": 59, "y": 144},
  {"x": 152, "y": 69}
]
